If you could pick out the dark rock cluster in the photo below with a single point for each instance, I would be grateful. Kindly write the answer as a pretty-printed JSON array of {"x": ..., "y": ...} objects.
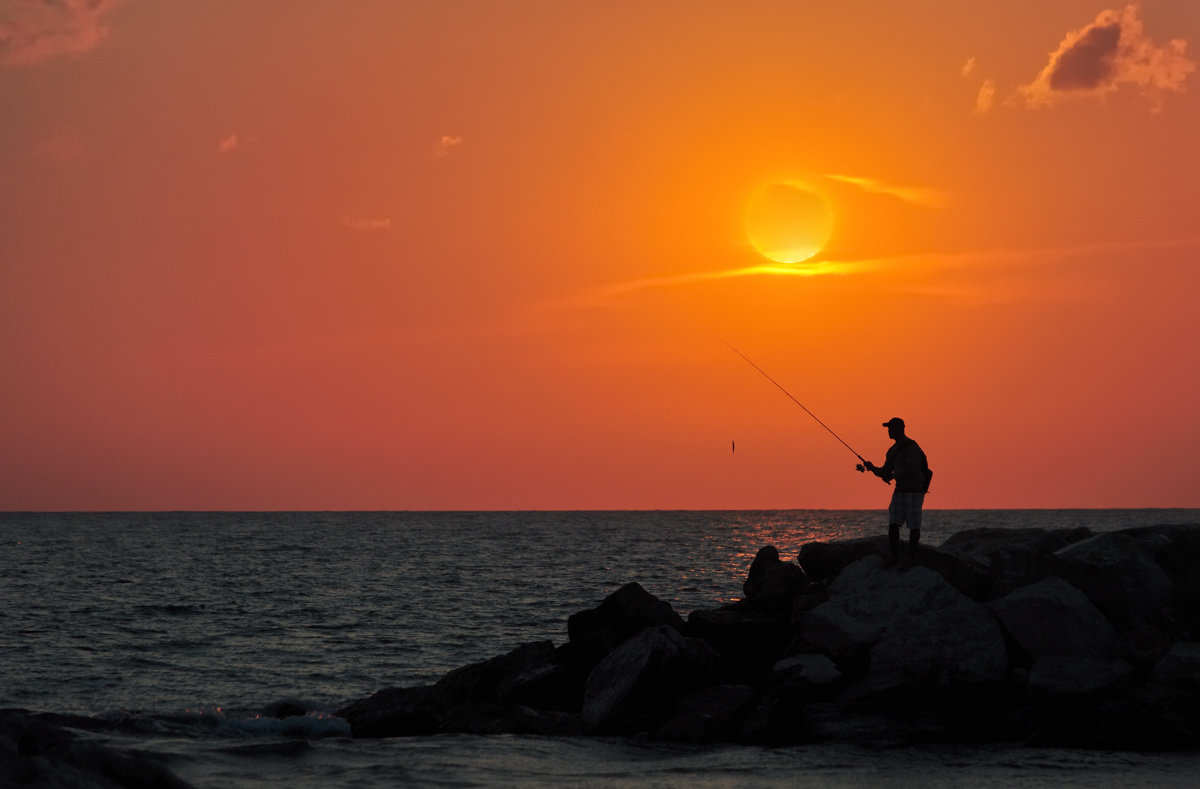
[
  {"x": 38, "y": 750},
  {"x": 1031, "y": 635}
]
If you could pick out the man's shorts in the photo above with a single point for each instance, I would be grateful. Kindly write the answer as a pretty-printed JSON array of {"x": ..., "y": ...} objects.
[{"x": 906, "y": 509}]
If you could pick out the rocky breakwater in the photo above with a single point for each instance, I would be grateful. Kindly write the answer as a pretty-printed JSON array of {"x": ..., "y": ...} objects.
[{"x": 1027, "y": 635}]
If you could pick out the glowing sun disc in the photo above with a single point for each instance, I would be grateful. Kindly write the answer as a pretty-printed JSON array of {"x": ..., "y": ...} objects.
[{"x": 788, "y": 223}]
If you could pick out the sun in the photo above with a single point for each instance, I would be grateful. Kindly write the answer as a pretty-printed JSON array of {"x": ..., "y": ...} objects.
[{"x": 788, "y": 223}]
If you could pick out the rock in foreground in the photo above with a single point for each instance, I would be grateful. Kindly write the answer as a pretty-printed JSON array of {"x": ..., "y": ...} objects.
[
  {"x": 1041, "y": 636},
  {"x": 34, "y": 751}
]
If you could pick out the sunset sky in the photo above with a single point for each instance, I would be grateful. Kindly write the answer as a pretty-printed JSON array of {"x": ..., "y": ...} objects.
[{"x": 289, "y": 254}]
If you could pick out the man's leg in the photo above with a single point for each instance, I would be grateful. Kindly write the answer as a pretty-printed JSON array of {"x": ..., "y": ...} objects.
[
  {"x": 896, "y": 516},
  {"x": 913, "y": 515}
]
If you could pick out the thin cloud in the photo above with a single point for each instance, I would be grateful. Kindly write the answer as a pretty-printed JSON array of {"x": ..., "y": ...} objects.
[
  {"x": 929, "y": 198},
  {"x": 1107, "y": 54},
  {"x": 228, "y": 144},
  {"x": 604, "y": 294},
  {"x": 986, "y": 97},
  {"x": 446, "y": 144},
  {"x": 361, "y": 223},
  {"x": 968, "y": 68},
  {"x": 33, "y": 31}
]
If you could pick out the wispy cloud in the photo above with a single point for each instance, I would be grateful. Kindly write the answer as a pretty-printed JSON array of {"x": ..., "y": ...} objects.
[
  {"x": 605, "y": 293},
  {"x": 366, "y": 223},
  {"x": 1105, "y": 55},
  {"x": 986, "y": 97},
  {"x": 32, "y": 31},
  {"x": 228, "y": 144},
  {"x": 929, "y": 198},
  {"x": 446, "y": 145}
]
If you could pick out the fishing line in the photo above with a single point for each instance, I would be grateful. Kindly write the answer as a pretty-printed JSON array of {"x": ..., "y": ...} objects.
[{"x": 794, "y": 400}]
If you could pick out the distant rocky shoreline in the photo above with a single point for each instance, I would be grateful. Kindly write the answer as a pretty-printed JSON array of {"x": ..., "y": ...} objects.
[{"x": 1043, "y": 637}]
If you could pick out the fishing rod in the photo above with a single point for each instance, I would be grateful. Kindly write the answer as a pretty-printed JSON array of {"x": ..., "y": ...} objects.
[{"x": 797, "y": 402}]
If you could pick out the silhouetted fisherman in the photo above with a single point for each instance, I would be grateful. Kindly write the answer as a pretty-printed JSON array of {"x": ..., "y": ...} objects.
[{"x": 907, "y": 465}]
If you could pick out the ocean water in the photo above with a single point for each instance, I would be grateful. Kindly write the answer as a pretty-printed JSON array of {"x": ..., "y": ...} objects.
[{"x": 177, "y": 629}]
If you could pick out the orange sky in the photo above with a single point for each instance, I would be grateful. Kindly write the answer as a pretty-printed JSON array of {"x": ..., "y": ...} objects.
[{"x": 475, "y": 255}]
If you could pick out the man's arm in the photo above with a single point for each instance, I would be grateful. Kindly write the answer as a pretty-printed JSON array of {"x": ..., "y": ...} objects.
[{"x": 884, "y": 472}]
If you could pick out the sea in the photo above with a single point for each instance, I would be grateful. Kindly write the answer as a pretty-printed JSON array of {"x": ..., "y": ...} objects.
[{"x": 180, "y": 631}]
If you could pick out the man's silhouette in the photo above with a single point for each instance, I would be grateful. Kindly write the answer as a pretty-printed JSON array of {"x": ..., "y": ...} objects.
[{"x": 906, "y": 464}]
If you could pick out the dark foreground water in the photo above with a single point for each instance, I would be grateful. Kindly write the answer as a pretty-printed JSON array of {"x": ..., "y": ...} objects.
[{"x": 184, "y": 626}]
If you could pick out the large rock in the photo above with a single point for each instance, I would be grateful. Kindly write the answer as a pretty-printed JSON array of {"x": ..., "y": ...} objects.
[
  {"x": 1069, "y": 676},
  {"x": 773, "y": 584},
  {"x": 1180, "y": 559},
  {"x": 866, "y": 599},
  {"x": 529, "y": 674},
  {"x": 963, "y": 573},
  {"x": 393, "y": 712},
  {"x": 635, "y": 684},
  {"x": 980, "y": 545},
  {"x": 707, "y": 715},
  {"x": 823, "y": 561},
  {"x": 36, "y": 753},
  {"x": 624, "y": 613},
  {"x": 815, "y": 674},
  {"x": 1129, "y": 586},
  {"x": 748, "y": 637},
  {"x": 961, "y": 644},
  {"x": 471, "y": 698},
  {"x": 1052, "y": 617},
  {"x": 1180, "y": 667}
]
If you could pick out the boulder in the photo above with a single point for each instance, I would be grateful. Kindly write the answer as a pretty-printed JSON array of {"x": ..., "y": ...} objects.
[
  {"x": 1180, "y": 667},
  {"x": 1051, "y": 617},
  {"x": 957, "y": 645},
  {"x": 980, "y": 545},
  {"x": 1014, "y": 568},
  {"x": 838, "y": 633},
  {"x": 521, "y": 675},
  {"x": 963, "y": 573},
  {"x": 748, "y": 637},
  {"x": 528, "y": 676},
  {"x": 814, "y": 674},
  {"x": 866, "y": 599},
  {"x": 823, "y": 561},
  {"x": 635, "y": 683},
  {"x": 624, "y": 613},
  {"x": 393, "y": 712},
  {"x": 1180, "y": 559},
  {"x": 1126, "y": 582},
  {"x": 34, "y": 752},
  {"x": 1070, "y": 676},
  {"x": 707, "y": 715},
  {"x": 773, "y": 584}
]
